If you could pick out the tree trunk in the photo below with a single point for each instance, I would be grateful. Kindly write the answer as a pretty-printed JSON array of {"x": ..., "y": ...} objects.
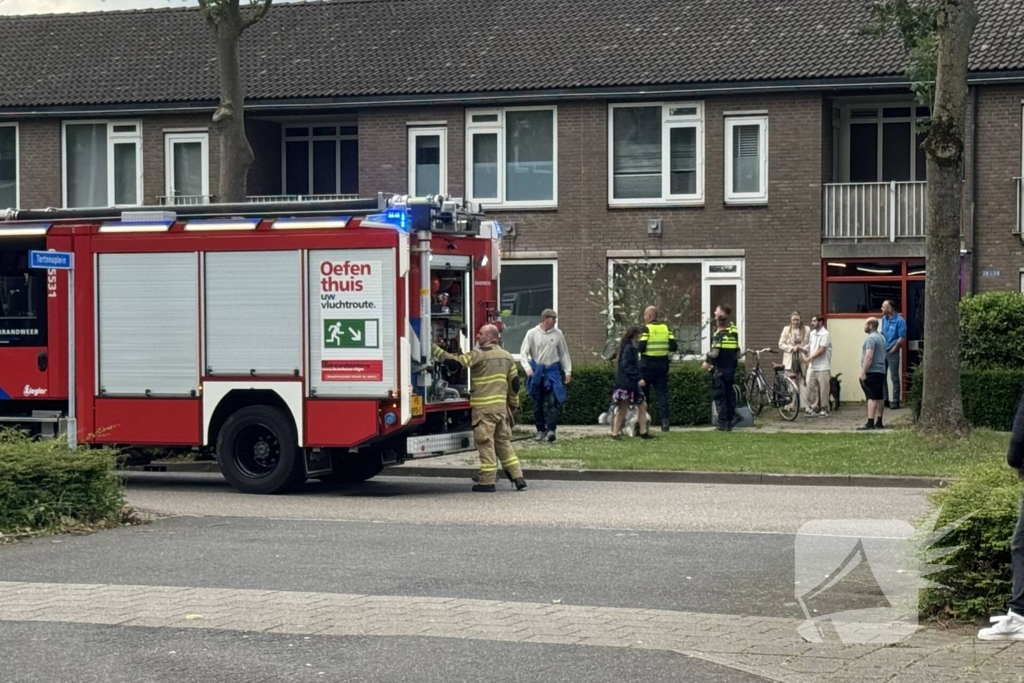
[
  {"x": 942, "y": 409},
  {"x": 229, "y": 120}
]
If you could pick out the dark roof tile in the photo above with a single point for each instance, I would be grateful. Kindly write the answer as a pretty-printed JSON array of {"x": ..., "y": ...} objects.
[{"x": 347, "y": 48}]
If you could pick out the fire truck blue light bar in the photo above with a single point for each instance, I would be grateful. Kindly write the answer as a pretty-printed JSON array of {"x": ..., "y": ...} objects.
[
  {"x": 310, "y": 223},
  {"x": 142, "y": 226},
  {"x": 221, "y": 224},
  {"x": 30, "y": 230}
]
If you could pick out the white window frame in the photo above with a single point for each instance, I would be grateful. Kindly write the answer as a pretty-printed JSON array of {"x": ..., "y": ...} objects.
[
  {"x": 879, "y": 120},
  {"x": 668, "y": 123},
  {"x": 507, "y": 263},
  {"x": 112, "y": 139},
  {"x": 17, "y": 163},
  {"x": 498, "y": 128},
  {"x": 309, "y": 138},
  {"x": 441, "y": 132},
  {"x": 170, "y": 138},
  {"x": 761, "y": 196},
  {"x": 707, "y": 279}
]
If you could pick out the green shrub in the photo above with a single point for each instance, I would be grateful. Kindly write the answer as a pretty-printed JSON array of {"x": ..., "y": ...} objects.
[
  {"x": 46, "y": 485},
  {"x": 992, "y": 330},
  {"x": 978, "y": 582},
  {"x": 590, "y": 392},
  {"x": 989, "y": 396}
]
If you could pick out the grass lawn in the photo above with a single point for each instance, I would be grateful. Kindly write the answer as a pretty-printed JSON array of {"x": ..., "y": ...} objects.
[{"x": 899, "y": 452}]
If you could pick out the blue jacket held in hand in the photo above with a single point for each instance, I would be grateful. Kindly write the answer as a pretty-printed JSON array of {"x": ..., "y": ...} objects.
[{"x": 547, "y": 377}]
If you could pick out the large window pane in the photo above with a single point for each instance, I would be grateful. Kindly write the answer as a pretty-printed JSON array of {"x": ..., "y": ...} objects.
[
  {"x": 350, "y": 167},
  {"x": 526, "y": 290},
  {"x": 325, "y": 167},
  {"x": 86, "y": 165},
  {"x": 922, "y": 168},
  {"x": 126, "y": 185},
  {"x": 862, "y": 297},
  {"x": 428, "y": 165},
  {"x": 529, "y": 156},
  {"x": 675, "y": 288},
  {"x": 8, "y": 167},
  {"x": 683, "y": 146},
  {"x": 296, "y": 175},
  {"x": 188, "y": 169},
  {"x": 746, "y": 159},
  {"x": 864, "y": 153},
  {"x": 485, "y": 165},
  {"x": 636, "y": 150},
  {"x": 896, "y": 151}
]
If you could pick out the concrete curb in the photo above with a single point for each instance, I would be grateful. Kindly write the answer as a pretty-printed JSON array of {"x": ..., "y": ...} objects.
[
  {"x": 668, "y": 477},
  {"x": 626, "y": 476}
]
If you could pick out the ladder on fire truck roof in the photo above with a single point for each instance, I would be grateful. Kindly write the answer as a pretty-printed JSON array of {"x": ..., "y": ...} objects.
[{"x": 447, "y": 214}]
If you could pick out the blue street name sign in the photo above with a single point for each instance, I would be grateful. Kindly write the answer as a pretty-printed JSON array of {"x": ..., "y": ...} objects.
[{"x": 50, "y": 260}]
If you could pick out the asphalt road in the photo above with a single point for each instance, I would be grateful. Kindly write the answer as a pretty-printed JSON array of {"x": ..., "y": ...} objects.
[
  {"x": 79, "y": 653},
  {"x": 594, "y": 505}
]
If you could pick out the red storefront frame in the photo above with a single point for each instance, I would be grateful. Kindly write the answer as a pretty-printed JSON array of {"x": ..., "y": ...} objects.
[{"x": 907, "y": 266}]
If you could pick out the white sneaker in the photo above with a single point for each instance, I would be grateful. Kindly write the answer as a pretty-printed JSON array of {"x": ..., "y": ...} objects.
[{"x": 1008, "y": 627}]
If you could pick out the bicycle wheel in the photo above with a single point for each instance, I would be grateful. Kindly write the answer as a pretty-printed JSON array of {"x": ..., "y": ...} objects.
[
  {"x": 788, "y": 400},
  {"x": 755, "y": 397},
  {"x": 738, "y": 390}
]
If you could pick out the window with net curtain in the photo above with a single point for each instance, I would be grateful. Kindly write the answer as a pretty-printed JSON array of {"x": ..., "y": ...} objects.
[
  {"x": 86, "y": 166},
  {"x": 188, "y": 168},
  {"x": 638, "y": 164},
  {"x": 8, "y": 167},
  {"x": 529, "y": 156}
]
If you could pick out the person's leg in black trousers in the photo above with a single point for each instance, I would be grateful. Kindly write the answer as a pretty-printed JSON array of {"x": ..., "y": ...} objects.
[
  {"x": 539, "y": 418},
  {"x": 728, "y": 380},
  {"x": 551, "y": 414},
  {"x": 1011, "y": 626}
]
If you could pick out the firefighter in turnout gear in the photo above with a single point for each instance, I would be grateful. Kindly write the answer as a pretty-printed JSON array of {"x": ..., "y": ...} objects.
[
  {"x": 656, "y": 343},
  {"x": 722, "y": 359},
  {"x": 494, "y": 397}
]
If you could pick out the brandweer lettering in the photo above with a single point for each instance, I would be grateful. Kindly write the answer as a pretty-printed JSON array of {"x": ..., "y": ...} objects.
[{"x": 350, "y": 274}]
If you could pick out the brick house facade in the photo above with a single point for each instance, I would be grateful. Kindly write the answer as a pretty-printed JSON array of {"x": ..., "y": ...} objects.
[{"x": 822, "y": 201}]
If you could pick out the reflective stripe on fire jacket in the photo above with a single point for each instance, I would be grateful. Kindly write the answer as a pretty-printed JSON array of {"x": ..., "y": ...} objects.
[{"x": 493, "y": 372}]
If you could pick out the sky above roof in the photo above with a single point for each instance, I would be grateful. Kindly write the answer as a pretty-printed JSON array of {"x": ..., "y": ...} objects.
[{"x": 56, "y": 6}]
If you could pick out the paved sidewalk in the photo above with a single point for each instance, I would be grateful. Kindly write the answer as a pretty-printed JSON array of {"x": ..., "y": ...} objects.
[{"x": 770, "y": 647}]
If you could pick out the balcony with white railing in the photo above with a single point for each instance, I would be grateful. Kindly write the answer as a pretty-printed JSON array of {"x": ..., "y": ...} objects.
[{"x": 875, "y": 212}]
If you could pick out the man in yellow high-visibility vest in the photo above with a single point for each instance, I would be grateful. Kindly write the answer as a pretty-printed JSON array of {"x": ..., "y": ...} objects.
[{"x": 656, "y": 343}]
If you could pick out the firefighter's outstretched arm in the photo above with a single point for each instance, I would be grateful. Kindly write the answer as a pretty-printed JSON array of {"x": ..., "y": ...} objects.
[
  {"x": 513, "y": 388},
  {"x": 463, "y": 359}
]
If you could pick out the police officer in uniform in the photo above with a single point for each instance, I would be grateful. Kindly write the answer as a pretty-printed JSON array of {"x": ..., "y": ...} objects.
[
  {"x": 722, "y": 359},
  {"x": 494, "y": 397},
  {"x": 656, "y": 342}
]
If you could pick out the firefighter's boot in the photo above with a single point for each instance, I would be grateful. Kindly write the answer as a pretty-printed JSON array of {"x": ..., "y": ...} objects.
[
  {"x": 520, "y": 484},
  {"x": 483, "y": 488}
]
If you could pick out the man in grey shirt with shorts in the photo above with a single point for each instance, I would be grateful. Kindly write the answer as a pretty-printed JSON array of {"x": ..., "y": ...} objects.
[{"x": 872, "y": 373}]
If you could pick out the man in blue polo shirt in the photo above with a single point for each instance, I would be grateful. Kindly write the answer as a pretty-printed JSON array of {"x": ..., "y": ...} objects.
[{"x": 894, "y": 329}]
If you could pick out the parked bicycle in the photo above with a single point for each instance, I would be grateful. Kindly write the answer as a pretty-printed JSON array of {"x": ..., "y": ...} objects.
[{"x": 783, "y": 393}]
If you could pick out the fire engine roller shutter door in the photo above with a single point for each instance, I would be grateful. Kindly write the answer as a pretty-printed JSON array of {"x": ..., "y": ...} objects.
[
  {"x": 352, "y": 328},
  {"x": 253, "y": 312},
  {"x": 148, "y": 324}
]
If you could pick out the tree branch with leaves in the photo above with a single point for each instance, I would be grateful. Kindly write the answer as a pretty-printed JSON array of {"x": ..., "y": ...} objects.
[{"x": 229, "y": 21}]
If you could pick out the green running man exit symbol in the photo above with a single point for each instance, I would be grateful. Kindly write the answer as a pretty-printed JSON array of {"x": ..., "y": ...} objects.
[{"x": 351, "y": 334}]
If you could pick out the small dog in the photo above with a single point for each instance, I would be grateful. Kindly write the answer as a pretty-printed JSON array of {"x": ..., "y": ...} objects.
[{"x": 833, "y": 390}]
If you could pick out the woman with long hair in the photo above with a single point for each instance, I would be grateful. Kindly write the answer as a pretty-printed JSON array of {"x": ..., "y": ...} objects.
[
  {"x": 629, "y": 385},
  {"x": 795, "y": 342}
]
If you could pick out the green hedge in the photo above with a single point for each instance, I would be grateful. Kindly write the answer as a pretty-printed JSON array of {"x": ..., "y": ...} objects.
[
  {"x": 978, "y": 582},
  {"x": 590, "y": 392},
  {"x": 989, "y": 396},
  {"x": 45, "y": 485},
  {"x": 992, "y": 330}
]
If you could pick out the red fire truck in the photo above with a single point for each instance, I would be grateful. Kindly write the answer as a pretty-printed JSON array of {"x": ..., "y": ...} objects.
[{"x": 292, "y": 340}]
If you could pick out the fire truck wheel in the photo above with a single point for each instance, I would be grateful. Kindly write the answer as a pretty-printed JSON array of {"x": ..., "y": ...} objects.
[{"x": 257, "y": 450}]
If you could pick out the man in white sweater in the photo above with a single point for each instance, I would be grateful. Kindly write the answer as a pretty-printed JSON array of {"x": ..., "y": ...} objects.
[{"x": 545, "y": 357}]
